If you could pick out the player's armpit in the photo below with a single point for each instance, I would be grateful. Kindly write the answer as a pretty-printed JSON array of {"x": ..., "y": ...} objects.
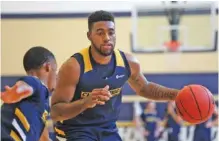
[
  {"x": 16, "y": 93},
  {"x": 146, "y": 89}
]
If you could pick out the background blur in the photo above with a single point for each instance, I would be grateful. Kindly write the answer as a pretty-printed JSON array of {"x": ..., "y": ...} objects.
[{"x": 62, "y": 26}]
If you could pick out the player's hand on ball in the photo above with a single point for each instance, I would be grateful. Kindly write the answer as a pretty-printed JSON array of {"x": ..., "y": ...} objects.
[{"x": 98, "y": 96}]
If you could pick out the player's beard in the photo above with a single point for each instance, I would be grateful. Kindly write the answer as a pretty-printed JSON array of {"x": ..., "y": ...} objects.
[{"x": 101, "y": 52}]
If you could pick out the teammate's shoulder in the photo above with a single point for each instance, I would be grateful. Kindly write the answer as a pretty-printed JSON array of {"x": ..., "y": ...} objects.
[{"x": 32, "y": 81}]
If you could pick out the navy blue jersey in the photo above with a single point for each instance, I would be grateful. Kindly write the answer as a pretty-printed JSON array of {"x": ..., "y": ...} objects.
[
  {"x": 25, "y": 120},
  {"x": 202, "y": 126},
  {"x": 94, "y": 75},
  {"x": 150, "y": 121},
  {"x": 173, "y": 125},
  {"x": 202, "y": 133}
]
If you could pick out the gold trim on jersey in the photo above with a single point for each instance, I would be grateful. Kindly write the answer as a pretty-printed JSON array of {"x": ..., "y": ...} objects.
[
  {"x": 60, "y": 132},
  {"x": 23, "y": 119},
  {"x": 114, "y": 92},
  {"x": 119, "y": 59},
  {"x": 86, "y": 57},
  {"x": 44, "y": 116},
  {"x": 151, "y": 119},
  {"x": 15, "y": 136},
  {"x": 87, "y": 63}
]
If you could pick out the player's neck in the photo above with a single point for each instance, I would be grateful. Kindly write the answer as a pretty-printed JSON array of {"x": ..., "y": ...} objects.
[
  {"x": 100, "y": 59},
  {"x": 38, "y": 75}
]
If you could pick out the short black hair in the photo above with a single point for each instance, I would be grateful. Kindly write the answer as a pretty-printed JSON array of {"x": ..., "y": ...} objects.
[
  {"x": 100, "y": 15},
  {"x": 35, "y": 57}
]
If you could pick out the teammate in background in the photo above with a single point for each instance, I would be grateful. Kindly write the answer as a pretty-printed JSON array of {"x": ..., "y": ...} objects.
[
  {"x": 151, "y": 122},
  {"x": 137, "y": 111},
  {"x": 202, "y": 131},
  {"x": 87, "y": 98},
  {"x": 26, "y": 104},
  {"x": 172, "y": 122}
]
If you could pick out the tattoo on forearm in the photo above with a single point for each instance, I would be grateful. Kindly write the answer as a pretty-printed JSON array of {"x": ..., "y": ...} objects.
[
  {"x": 159, "y": 92},
  {"x": 152, "y": 90}
]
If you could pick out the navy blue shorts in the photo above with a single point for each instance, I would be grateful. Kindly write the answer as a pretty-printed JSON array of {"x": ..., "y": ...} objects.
[
  {"x": 173, "y": 137},
  {"x": 202, "y": 135},
  {"x": 92, "y": 134},
  {"x": 101, "y": 137},
  {"x": 150, "y": 138}
]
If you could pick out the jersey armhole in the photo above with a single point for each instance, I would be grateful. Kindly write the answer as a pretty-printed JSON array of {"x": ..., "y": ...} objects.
[
  {"x": 79, "y": 58},
  {"x": 126, "y": 63}
]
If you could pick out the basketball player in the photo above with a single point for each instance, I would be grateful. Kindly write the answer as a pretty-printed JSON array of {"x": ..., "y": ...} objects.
[
  {"x": 87, "y": 98},
  {"x": 173, "y": 122},
  {"x": 26, "y": 104},
  {"x": 151, "y": 121},
  {"x": 202, "y": 131}
]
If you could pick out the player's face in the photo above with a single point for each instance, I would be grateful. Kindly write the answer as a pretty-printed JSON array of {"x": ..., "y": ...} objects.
[
  {"x": 172, "y": 103},
  {"x": 103, "y": 37},
  {"x": 52, "y": 74},
  {"x": 151, "y": 105}
]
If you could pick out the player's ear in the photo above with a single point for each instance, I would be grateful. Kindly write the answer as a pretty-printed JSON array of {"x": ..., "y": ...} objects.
[
  {"x": 47, "y": 66},
  {"x": 88, "y": 35}
]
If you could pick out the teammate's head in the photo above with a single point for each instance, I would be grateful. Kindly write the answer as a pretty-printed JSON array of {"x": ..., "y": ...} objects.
[
  {"x": 151, "y": 106},
  {"x": 172, "y": 103},
  {"x": 102, "y": 32},
  {"x": 39, "y": 61}
]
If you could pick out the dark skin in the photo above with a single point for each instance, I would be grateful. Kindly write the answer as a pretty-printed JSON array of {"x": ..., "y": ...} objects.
[{"x": 103, "y": 39}]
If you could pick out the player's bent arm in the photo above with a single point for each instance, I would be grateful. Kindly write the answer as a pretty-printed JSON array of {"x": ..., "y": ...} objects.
[
  {"x": 61, "y": 106},
  {"x": 146, "y": 89},
  {"x": 16, "y": 93}
]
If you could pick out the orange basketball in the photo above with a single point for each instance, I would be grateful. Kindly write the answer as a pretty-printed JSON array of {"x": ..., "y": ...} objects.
[{"x": 195, "y": 104}]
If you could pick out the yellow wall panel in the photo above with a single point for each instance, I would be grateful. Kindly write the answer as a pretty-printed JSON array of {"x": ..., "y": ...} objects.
[{"x": 66, "y": 36}]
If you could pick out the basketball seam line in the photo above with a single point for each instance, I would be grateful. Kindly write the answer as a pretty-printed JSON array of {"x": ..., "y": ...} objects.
[
  {"x": 196, "y": 102},
  {"x": 179, "y": 109},
  {"x": 209, "y": 100},
  {"x": 187, "y": 112}
]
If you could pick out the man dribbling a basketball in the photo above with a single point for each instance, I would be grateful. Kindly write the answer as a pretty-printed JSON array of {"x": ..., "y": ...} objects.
[{"x": 87, "y": 99}]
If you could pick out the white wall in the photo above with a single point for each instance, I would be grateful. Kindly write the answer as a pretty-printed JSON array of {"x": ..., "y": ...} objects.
[
  {"x": 63, "y": 6},
  {"x": 74, "y": 6}
]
